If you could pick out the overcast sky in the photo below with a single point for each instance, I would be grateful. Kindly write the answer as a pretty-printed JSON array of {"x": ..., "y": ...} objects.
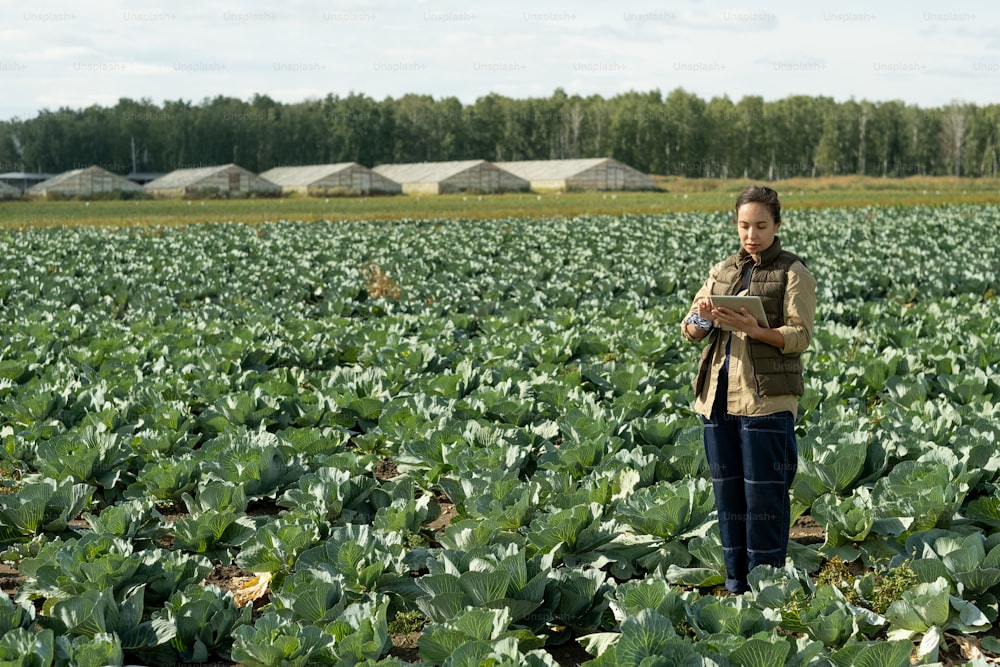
[{"x": 63, "y": 54}]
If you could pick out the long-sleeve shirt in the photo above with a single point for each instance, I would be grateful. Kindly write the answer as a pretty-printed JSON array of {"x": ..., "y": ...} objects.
[{"x": 742, "y": 398}]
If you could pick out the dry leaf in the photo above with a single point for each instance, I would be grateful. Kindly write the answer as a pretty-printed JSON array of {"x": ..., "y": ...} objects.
[
  {"x": 971, "y": 648},
  {"x": 252, "y": 589}
]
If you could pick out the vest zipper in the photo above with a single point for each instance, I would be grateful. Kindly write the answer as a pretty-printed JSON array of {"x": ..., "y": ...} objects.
[
  {"x": 749, "y": 343},
  {"x": 753, "y": 370}
]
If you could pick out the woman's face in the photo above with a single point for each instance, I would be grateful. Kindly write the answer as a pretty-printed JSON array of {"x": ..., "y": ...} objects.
[{"x": 756, "y": 227}]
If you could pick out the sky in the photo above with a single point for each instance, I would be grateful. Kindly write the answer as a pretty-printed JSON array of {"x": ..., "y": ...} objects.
[{"x": 68, "y": 54}]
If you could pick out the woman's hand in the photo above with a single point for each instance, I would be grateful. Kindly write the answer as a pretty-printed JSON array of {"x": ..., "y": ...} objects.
[
  {"x": 747, "y": 323},
  {"x": 741, "y": 321},
  {"x": 705, "y": 308}
]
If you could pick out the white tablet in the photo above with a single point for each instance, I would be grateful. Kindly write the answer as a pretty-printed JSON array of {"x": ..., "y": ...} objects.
[{"x": 753, "y": 304}]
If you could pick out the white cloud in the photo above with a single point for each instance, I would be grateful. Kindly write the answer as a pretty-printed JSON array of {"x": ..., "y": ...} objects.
[
  {"x": 59, "y": 53},
  {"x": 919, "y": 53},
  {"x": 730, "y": 20}
]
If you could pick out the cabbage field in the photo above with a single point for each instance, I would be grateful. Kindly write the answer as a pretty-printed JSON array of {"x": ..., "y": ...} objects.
[{"x": 477, "y": 436}]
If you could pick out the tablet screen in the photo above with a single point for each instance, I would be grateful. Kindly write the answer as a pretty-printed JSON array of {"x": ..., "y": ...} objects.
[{"x": 753, "y": 304}]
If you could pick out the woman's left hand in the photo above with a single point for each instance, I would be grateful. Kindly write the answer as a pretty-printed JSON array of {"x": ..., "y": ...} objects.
[
  {"x": 741, "y": 321},
  {"x": 747, "y": 323}
]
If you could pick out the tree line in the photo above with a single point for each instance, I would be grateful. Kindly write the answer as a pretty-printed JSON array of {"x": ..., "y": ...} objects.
[{"x": 674, "y": 134}]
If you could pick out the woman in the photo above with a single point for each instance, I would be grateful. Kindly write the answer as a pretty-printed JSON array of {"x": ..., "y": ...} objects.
[{"x": 748, "y": 385}]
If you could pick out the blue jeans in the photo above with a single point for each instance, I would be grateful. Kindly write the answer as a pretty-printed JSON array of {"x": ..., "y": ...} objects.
[{"x": 753, "y": 462}]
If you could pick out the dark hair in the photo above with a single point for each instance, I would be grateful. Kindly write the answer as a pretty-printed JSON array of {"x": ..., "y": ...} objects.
[{"x": 760, "y": 194}]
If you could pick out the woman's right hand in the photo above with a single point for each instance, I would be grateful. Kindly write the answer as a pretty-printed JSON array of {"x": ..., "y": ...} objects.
[{"x": 705, "y": 308}]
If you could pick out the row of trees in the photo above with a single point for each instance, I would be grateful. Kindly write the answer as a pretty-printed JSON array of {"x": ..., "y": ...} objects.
[{"x": 677, "y": 134}]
